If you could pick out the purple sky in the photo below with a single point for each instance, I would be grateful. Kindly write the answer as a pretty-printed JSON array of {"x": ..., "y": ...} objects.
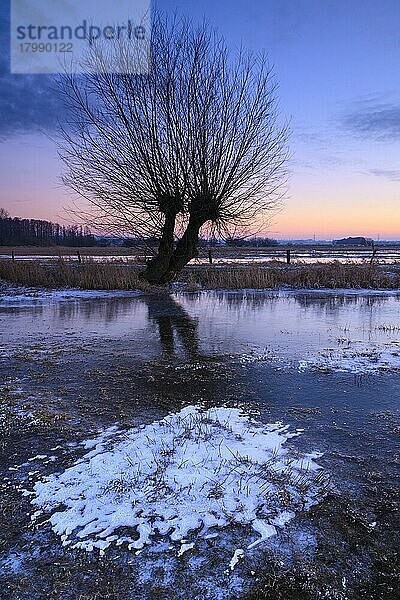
[{"x": 338, "y": 64}]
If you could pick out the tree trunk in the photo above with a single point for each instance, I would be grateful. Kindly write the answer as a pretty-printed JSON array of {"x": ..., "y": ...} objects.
[
  {"x": 185, "y": 250},
  {"x": 158, "y": 265},
  {"x": 169, "y": 261}
]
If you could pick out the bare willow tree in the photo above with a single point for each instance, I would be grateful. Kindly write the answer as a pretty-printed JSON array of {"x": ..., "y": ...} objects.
[{"x": 193, "y": 142}]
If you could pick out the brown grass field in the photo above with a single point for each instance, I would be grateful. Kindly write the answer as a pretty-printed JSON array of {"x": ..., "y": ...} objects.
[{"x": 119, "y": 275}]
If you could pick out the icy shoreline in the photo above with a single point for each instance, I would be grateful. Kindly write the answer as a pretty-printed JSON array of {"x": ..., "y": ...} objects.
[
  {"x": 20, "y": 294},
  {"x": 10, "y": 294}
]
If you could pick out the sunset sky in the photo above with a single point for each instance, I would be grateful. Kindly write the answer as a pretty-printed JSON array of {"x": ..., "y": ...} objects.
[{"x": 338, "y": 66}]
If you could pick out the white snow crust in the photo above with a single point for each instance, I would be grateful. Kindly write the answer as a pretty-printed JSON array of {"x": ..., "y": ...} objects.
[
  {"x": 355, "y": 360},
  {"x": 185, "y": 477}
]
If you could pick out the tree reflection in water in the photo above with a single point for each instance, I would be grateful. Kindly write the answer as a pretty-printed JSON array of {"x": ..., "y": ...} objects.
[{"x": 175, "y": 326}]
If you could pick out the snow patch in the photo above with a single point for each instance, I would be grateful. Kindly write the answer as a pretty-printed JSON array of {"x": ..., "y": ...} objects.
[
  {"x": 355, "y": 360},
  {"x": 237, "y": 555},
  {"x": 267, "y": 356},
  {"x": 20, "y": 295},
  {"x": 184, "y": 548},
  {"x": 188, "y": 475}
]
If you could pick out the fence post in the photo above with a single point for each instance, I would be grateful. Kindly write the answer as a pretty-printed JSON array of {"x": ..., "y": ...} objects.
[
  {"x": 79, "y": 256},
  {"x": 210, "y": 259},
  {"x": 288, "y": 256},
  {"x": 12, "y": 255},
  {"x": 374, "y": 251}
]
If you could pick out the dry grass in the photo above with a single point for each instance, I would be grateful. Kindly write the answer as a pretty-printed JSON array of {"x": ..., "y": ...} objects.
[
  {"x": 331, "y": 275},
  {"x": 61, "y": 273},
  {"x": 111, "y": 276}
]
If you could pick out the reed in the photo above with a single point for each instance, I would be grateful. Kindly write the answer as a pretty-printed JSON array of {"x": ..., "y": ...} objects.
[
  {"x": 331, "y": 275},
  {"x": 89, "y": 274}
]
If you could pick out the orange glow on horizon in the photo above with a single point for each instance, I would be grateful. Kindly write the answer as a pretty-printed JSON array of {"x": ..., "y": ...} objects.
[
  {"x": 295, "y": 221},
  {"x": 305, "y": 222}
]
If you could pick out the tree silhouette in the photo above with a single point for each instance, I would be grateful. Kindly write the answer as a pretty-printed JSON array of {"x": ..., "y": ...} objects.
[{"x": 193, "y": 142}]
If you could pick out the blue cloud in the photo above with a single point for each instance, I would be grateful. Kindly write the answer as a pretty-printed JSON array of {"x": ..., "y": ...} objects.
[
  {"x": 392, "y": 174},
  {"x": 27, "y": 102},
  {"x": 380, "y": 122}
]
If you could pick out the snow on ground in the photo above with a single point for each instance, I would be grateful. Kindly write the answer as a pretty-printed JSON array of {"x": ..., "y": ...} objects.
[
  {"x": 13, "y": 406},
  {"x": 342, "y": 291},
  {"x": 286, "y": 290},
  {"x": 13, "y": 562},
  {"x": 357, "y": 359},
  {"x": 185, "y": 477},
  {"x": 268, "y": 356},
  {"x": 33, "y": 353},
  {"x": 20, "y": 295}
]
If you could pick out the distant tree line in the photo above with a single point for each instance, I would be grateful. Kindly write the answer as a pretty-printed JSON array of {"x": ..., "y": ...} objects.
[
  {"x": 259, "y": 242},
  {"x": 15, "y": 231},
  {"x": 35, "y": 232}
]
